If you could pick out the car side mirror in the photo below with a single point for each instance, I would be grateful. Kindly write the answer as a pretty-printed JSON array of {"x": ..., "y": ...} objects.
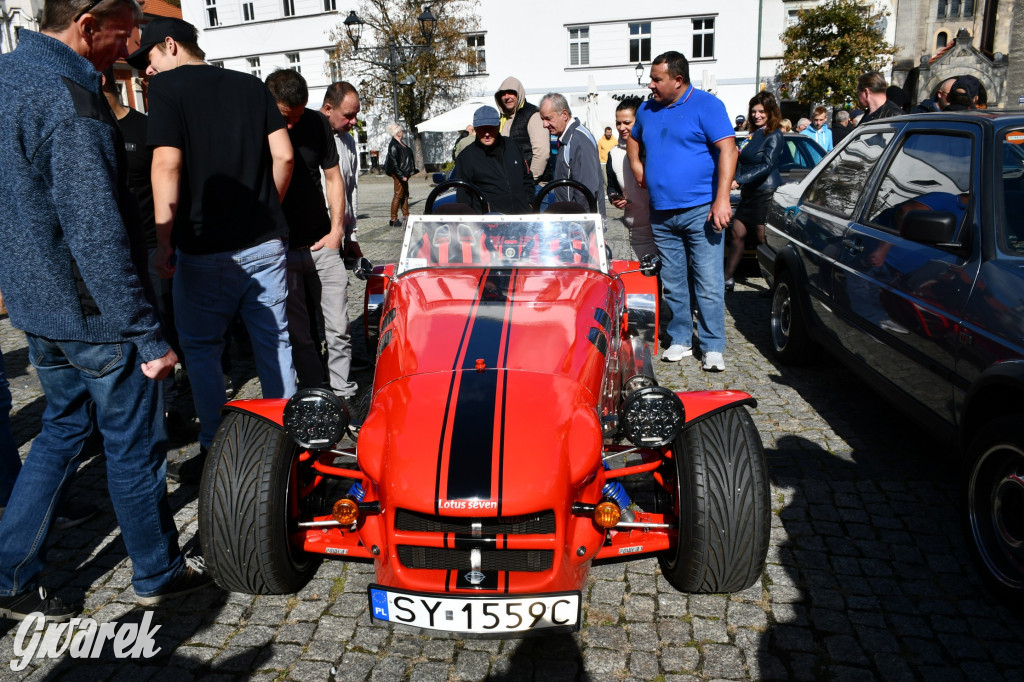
[
  {"x": 364, "y": 269},
  {"x": 929, "y": 227},
  {"x": 650, "y": 265}
]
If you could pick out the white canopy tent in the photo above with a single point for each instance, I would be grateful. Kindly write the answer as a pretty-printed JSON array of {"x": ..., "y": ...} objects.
[{"x": 455, "y": 120}]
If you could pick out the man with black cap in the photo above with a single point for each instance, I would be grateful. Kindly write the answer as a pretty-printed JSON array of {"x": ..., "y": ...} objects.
[
  {"x": 222, "y": 162},
  {"x": 73, "y": 267},
  {"x": 495, "y": 167},
  {"x": 963, "y": 95}
]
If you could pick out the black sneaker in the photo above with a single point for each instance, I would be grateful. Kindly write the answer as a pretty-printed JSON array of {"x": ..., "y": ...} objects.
[
  {"x": 20, "y": 606},
  {"x": 73, "y": 514},
  {"x": 179, "y": 429},
  {"x": 191, "y": 579},
  {"x": 190, "y": 471}
]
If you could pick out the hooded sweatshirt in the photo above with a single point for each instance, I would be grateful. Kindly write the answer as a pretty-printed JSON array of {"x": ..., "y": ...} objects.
[{"x": 524, "y": 127}]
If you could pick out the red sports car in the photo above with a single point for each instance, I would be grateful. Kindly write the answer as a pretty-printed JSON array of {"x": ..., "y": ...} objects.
[{"x": 515, "y": 435}]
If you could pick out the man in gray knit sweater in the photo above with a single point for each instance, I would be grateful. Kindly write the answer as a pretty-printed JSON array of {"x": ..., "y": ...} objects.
[{"x": 72, "y": 272}]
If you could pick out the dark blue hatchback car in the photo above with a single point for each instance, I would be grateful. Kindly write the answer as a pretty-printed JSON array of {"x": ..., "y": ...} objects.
[{"x": 902, "y": 253}]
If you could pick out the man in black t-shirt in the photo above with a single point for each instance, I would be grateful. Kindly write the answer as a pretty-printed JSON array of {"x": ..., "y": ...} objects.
[
  {"x": 222, "y": 161},
  {"x": 316, "y": 268}
]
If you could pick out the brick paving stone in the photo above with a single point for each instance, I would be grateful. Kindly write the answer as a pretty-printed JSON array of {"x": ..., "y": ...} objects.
[
  {"x": 369, "y": 639},
  {"x": 643, "y": 665},
  {"x": 606, "y": 637},
  {"x": 706, "y": 630},
  {"x": 674, "y": 632},
  {"x": 439, "y": 649},
  {"x": 472, "y": 665},
  {"x": 555, "y": 671},
  {"x": 313, "y": 671},
  {"x": 429, "y": 672},
  {"x": 607, "y": 592},
  {"x": 642, "y": 636},
  {"x": 390, "y": 668},
  {"x": 723, "y": 662},
  {"x": 747, "y": 616},
  {"x": 604, "y": 663}
]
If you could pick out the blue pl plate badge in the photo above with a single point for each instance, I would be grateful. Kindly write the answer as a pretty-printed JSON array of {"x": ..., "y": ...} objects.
[{"x": 380, "y": 604}]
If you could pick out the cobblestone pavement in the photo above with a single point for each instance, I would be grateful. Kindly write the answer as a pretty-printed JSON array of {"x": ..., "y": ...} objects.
[{"x": 868, "y": 575}]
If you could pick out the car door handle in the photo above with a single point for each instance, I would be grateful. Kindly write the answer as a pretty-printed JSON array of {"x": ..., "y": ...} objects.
[{"x": 852, "y": 246}]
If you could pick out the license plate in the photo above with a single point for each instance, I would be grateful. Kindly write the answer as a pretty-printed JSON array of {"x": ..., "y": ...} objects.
[{"x": 484, "y": 614}]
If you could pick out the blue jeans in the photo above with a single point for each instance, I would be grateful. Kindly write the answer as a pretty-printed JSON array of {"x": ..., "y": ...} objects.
[
  {"x": 79, "y": 379},
  {"x": 208, "y": 290},
  {"x": 10, "y": 460},
  {"x": 692, "y": 253}
]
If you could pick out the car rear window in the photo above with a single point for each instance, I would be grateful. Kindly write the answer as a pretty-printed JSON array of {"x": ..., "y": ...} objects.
[
  {"x": 1010, "y": 220},
  {"x": 841, "y": 183}
]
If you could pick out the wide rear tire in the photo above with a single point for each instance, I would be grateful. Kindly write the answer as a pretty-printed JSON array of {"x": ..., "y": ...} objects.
[
  {"x": 245, "y": 520},
  {"x": 994, "y": 488},
  {"x": 721, "y": 495}
]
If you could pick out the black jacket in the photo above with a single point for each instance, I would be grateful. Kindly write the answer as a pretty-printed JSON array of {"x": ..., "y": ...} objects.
[
  {"x": 758, "y": 169},
  {"x": 500, "y": 173},
  {"x": 400, "y": 161},
  {"x": 885, "y": 111}
]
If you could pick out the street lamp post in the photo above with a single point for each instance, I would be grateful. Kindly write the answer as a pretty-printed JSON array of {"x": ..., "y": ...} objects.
[{"x": 394, "y": 56}]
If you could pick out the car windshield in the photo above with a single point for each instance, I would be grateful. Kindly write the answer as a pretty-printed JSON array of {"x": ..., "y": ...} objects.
[
  {"x": 548, "y": 241},
  {"x": 1010, "y": 228}
]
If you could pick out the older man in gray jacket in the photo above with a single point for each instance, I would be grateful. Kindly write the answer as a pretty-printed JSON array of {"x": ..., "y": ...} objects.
[{"x": 577, "y": 150}]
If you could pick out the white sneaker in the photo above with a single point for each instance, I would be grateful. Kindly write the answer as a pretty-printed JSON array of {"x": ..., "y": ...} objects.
[
  {"x": 713, "y": 362},
  {"x": 676, "y": 352}
]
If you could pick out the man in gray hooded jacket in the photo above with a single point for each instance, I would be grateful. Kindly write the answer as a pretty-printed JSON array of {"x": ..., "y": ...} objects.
[{"x": 521, "y": 122}]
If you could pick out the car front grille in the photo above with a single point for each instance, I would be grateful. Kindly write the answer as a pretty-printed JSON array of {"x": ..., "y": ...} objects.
[
  {"x": 538, "y": 523},
  {"x": 525, "y": 560}
]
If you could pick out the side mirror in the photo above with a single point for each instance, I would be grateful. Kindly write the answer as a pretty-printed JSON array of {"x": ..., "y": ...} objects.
[
  {"x": 929, "y": 227},
  {"x": 364, "y": 269},
  {"x": 650, "y": 265}
]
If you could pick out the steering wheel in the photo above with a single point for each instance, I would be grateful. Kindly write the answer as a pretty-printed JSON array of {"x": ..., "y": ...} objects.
[
  {"x": 428, "y": 208},
  {"x": 566, "y": 182}
]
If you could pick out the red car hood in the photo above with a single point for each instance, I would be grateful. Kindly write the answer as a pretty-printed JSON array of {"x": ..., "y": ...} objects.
[
  {"x": 551, "y": 322},
  {"x": 490, "y": 443}
]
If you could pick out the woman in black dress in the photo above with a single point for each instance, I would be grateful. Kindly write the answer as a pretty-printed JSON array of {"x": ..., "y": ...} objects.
[{"x": 757, "y": 176}]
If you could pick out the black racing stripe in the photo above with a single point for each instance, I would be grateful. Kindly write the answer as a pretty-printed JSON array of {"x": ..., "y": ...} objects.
[
  {"x": 508, "y": 577},
  {"x": 448, "y": 404},
  {"x": 448, "y": 580},
  {"x": 471, "y": 453},
  {"x": 504, "y": 397}
]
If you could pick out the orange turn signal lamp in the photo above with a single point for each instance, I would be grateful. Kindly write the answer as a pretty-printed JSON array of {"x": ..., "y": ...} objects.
[
  {"x": 606, "y": 514},
  {"x": 345, "y": 511}
]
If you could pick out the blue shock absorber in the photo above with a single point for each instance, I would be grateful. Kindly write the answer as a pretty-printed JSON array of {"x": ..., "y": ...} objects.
[
  {"x": 357, "y": 493},
  {"x": 615, "y": 491}
]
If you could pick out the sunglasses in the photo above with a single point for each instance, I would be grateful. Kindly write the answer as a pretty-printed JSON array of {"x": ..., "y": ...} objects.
[{"x": 90, "y": 7}]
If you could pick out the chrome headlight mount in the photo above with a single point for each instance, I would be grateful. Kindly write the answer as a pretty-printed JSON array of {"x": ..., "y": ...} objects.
[
  {"x": 652, "y": 417},
  {"x": 316, "y": 419}
]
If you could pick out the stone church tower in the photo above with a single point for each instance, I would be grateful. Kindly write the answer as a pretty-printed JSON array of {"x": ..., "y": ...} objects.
[{"x": 940, "y": 39}]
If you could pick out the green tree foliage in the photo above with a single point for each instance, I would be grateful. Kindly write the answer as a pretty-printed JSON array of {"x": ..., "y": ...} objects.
[
  {"x": 438, "y": 70},
  {"x": 828, "y": 48}
]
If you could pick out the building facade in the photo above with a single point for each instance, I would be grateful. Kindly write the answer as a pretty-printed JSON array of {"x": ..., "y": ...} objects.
[{"x": 15, "y": 15}]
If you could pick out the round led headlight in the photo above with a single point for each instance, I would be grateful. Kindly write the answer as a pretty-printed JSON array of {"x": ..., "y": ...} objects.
[
  {"x": 315, "y": 418},
  {"x": 652, "y": 417}
]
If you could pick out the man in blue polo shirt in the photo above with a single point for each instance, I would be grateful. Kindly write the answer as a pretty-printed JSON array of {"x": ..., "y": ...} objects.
[{"x": 690, "y": 160}]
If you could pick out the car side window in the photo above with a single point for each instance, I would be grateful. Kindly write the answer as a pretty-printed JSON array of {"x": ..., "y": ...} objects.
[
  {"x": 841, "y": 183},
  {"x": 930, "y": 172},
  {"x": 1010, "y": 230}
]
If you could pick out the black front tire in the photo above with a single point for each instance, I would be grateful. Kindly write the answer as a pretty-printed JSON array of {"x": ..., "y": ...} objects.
[
  {"x": 722, "y": 502},
  {"x": 994, "y": 490},
  {"x": 245, "y": 521},
  {"x": 791, "y": 343}
]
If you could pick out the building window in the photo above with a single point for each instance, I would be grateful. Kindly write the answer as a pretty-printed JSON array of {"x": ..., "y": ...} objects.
[
  {"x": 211, "y": 13},
  {"x": 293, "y": 61},
  {"x": 640, "y": 42},
  {"x": 954, "y": 8},
  {"x": 254, "y": 66},
  {"x": 289, "y": 8},
  {"x": 703, "y": 38},
  {"x": 941, "y": 14},
  {"x": 941, "y": 40},
  {"x": 968, "y": 8},
  {"x": 579, "y": 46},
  {"x": 475, "y": 41},
  {"x": 219, "y": 63},
  {"x": 330, "y": 5},
  {"x": 248, "y": 14},
  {"x": 333, "y": 65}
]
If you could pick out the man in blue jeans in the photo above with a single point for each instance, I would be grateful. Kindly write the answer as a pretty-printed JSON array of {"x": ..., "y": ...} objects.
[
  {"x": 222, "y": 161},
  {"x": 690, "y": 160},
  {"x": 72, "y": 268}
]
